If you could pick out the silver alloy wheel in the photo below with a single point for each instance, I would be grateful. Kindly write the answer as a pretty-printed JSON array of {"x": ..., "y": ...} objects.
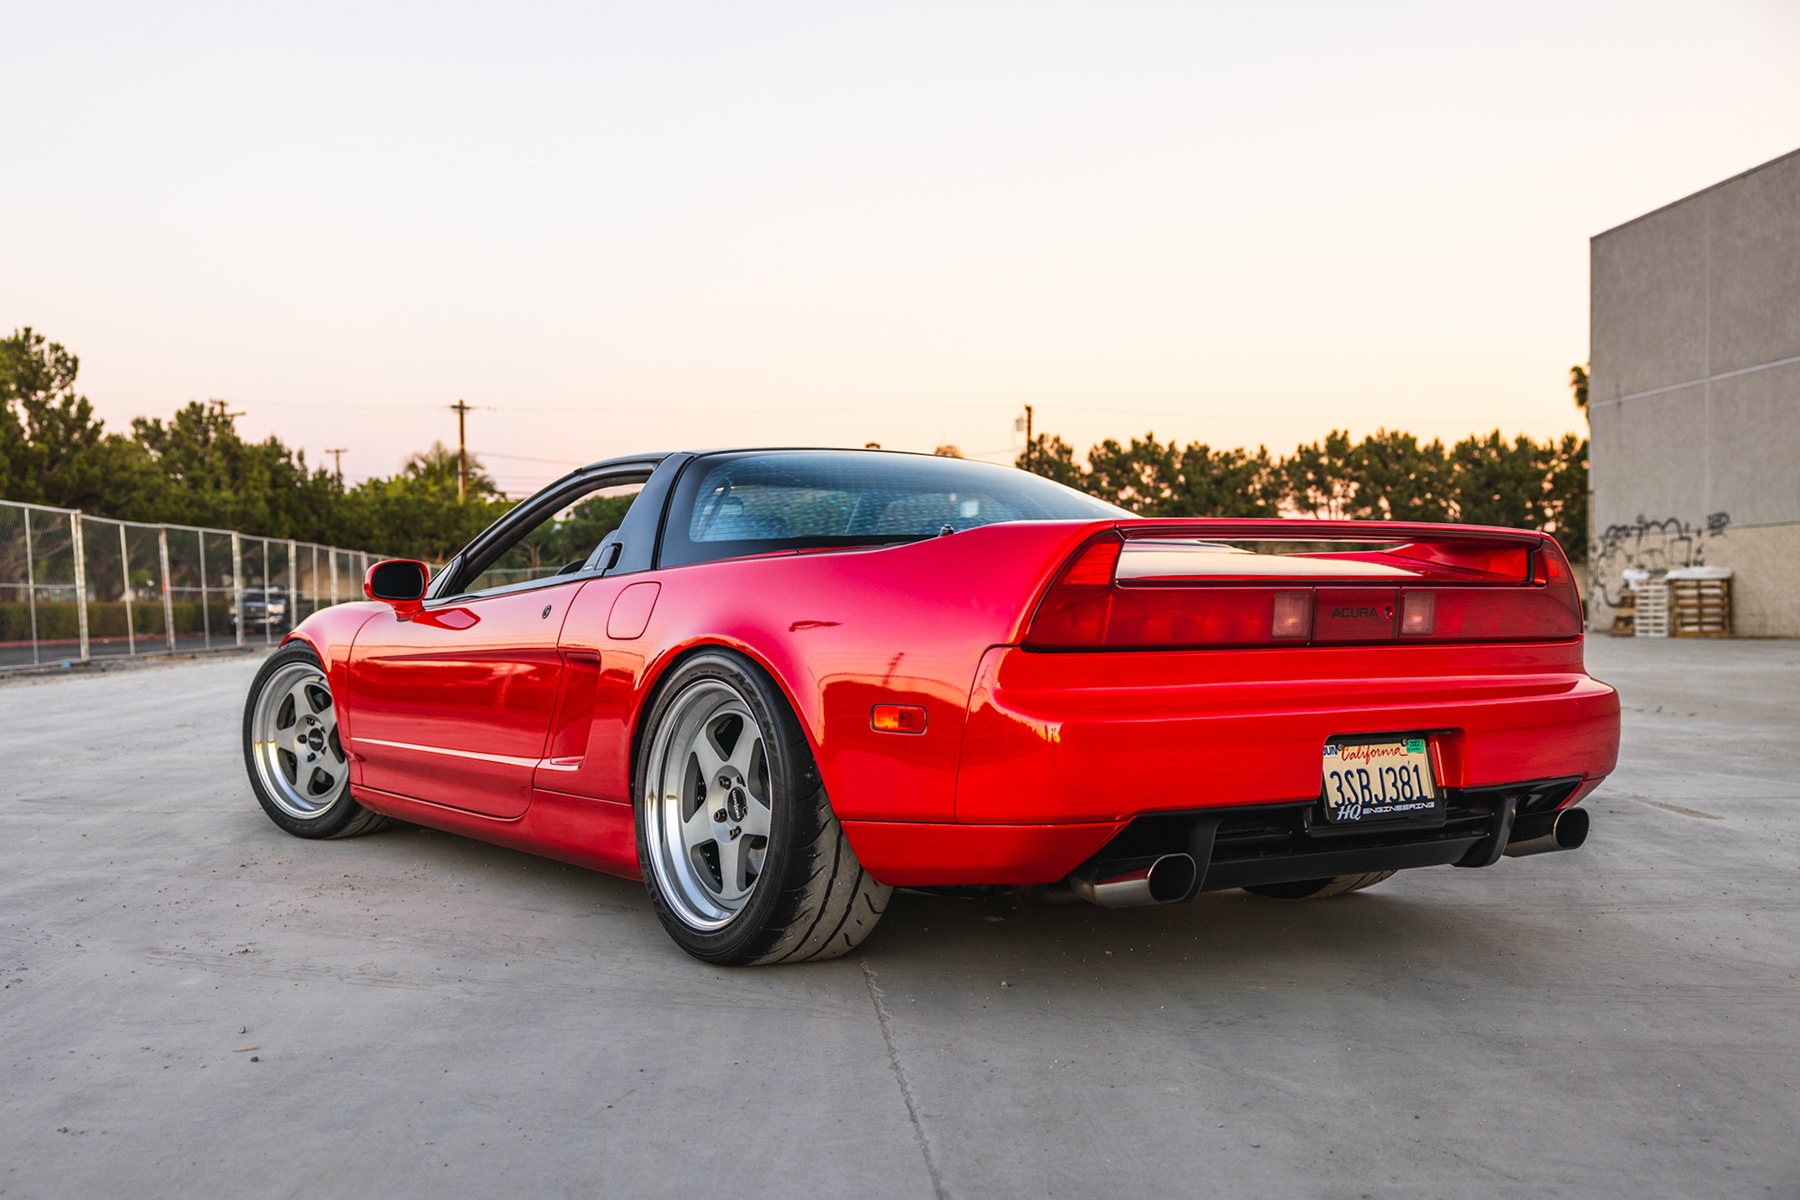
[
  {"x": 299, "y": 758},
  {"x": 706, "y": 811}
]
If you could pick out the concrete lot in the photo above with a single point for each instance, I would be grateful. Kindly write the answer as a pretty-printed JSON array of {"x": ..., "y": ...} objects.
[{"x": 195, "y": 1004}]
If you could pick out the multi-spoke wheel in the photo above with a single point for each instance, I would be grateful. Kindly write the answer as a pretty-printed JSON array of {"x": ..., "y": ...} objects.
[
  {"x": 739, "y": 848},
  {"x": 298, "y": 768},
  {"x": 708, "y": 808}
]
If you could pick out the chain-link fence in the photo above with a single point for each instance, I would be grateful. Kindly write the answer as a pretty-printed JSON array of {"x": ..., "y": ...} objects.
[{"x": 75, "y": 588}]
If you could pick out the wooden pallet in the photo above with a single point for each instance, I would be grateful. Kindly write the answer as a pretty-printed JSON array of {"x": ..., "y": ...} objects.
[
  {"x": 1700, "y": 608},
  {"x": 1625, "y": 615},
  {"x": 1652, "y": 610}
]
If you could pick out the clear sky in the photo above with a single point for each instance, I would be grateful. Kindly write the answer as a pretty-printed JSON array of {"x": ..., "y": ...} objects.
[{"x": 625, "y": 227}]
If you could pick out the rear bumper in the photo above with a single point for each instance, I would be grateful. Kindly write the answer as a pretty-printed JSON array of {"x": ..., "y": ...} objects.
[
  {"x": 1067, "y": 755},
  {"x": 1283, "y": 843},
  {"x": 1076, "y": 738},
  {"x": 1244, "y": 845}
]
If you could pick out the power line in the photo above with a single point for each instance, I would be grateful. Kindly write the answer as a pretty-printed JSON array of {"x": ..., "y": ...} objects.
[{"x": 555, "y": 462}]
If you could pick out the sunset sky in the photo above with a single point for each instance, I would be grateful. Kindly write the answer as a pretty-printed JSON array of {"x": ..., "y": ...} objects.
[{"x": 617, "y": 228}]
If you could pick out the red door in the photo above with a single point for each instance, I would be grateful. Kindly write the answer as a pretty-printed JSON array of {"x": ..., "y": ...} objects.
[{"x": 454, "y": 706}]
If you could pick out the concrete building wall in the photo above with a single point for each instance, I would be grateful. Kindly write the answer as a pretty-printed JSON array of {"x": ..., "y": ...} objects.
[{"x": 1694, "y": 395}]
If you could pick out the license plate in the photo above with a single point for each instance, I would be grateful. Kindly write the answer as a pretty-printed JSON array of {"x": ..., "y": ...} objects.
[{"x": 1380, "y": 781}]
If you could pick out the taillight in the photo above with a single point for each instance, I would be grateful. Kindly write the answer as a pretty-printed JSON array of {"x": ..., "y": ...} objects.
[
  {"x": 1223, "y": 616},
  {"x": 1520, "y": 614},
  {"x": 1293, "y": 615},
  {"x": 1078, "y": 608},
  {"x": 1088, "y": 609},
  {"x": 1095, "y": 565},
  {"x": 1418, "y": 614}
]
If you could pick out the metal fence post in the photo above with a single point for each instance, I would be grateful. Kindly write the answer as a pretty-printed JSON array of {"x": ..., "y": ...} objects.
[
  {"x": 331, "y": 554},
  {"x": 293, "y": 588},
  {"x": 81, "y": 612},
  {"x": 125, "y": 570},
  {"x": 162, "y": 551},
  {"x": 205, "y": 616},
  {"x": 237, "y": 585},
  {"x": 30, "y": 585}
]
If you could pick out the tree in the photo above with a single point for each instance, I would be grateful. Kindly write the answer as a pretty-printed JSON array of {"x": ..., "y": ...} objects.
[
  {"x": 1498, "y": 483},
  {"x": 213, "y": 477},
  {"x": 590, "y": 521},
  {"x": 1393, "y": 478},
  {"x": 1318, "y": 477},
  {"x": 52, "y": 449},
  {"x": 1052, "y": 458},
  {"x": 1483, "y": 480},
  {"x": 1566, "y": 496},
  {"x": 1154, "y": 479},
  {"x": 1578, "y": 384},
  {"x": 1157, "y": 480},
  {"x": 1523, "y": 485},
  {"x": 439, "y": 468},
  {"x": 418, "y": 514}
]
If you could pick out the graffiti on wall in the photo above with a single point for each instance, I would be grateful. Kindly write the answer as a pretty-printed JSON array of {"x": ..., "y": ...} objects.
[{"x": 1647, "y": 546}]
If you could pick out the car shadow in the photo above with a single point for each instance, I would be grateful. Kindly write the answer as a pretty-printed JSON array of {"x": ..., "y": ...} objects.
[
  {"x": 1226, "y": 933},
  {"x": 1218, "y": 934}
]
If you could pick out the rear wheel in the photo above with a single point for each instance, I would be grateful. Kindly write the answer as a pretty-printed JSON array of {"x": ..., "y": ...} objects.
[
  {"x": 741, "y": 854},
  {"x": 1318, "y": 889},
  {"x": 294, "y": 753}
]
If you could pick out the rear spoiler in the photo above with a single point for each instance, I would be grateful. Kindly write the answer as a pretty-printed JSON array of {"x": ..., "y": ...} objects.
[{"x": 1162, "y": 584}]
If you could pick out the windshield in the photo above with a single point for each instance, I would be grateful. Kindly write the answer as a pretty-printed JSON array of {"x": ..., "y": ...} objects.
[{"x": 753, "y": 503}]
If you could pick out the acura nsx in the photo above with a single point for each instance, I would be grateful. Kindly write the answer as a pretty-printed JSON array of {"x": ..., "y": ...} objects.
[{"x": 777, "y": 684}]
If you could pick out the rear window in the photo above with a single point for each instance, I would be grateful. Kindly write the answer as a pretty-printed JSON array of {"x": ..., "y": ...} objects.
[{"x": 808, "y": 499}]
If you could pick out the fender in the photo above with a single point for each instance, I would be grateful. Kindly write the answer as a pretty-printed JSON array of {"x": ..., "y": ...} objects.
[{"x": 331, "y": 632}]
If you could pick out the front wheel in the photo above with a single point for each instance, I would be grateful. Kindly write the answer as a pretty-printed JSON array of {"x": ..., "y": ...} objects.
[
  {"x": 295, "y": 756},
  {"x": 741, "y": 854}
]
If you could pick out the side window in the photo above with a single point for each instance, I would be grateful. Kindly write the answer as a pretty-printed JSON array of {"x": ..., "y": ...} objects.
[{"x": 559, "y": 544}]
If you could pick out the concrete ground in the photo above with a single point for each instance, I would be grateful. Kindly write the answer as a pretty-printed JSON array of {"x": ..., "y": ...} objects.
[{"x": 195, "y": 1004}]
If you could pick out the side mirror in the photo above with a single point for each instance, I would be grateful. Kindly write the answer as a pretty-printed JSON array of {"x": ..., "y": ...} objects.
[{"x": 399, "y": 582}]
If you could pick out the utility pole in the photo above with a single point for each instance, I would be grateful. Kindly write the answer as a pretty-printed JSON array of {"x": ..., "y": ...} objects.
[
  {"x": 462, "y": 411},
  {"x": 218, "y": 407},
  {"x": 338, "y": 454},
  {"x": 1028, "y": 444}
]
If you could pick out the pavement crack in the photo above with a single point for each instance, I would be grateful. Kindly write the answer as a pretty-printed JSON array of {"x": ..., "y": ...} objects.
[
  {"x": 1674, "y": 808},
  {"x": 912, "y": 1109}
]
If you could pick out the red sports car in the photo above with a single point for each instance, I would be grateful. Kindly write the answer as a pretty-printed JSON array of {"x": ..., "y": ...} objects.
[{"x": 777, "y": 684}]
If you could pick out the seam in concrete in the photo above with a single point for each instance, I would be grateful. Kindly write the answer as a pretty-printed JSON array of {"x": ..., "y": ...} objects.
[
  {"x": 912, "y": 1110},
  {"x": 1676, "y": 387}
]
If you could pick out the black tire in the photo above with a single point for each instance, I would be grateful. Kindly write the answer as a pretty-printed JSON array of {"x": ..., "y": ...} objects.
[
  {"x": 334, "y": 813},
  {"x": 1319, "y": 889},
  {"x": 811, "y": 900}
]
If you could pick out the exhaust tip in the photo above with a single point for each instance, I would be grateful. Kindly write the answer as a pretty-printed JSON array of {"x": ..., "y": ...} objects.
[
  {"x": 1171, "y": 878},
  {"x": 1565, "y": 829},
  {"x": 1570, "y": 829},
  {"x": 1136, "y": 883}
]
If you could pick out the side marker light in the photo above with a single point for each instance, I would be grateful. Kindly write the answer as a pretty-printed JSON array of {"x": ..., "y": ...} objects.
[{"x": 897, "y": 718}]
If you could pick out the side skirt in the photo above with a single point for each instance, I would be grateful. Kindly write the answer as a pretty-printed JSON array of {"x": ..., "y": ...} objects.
[{"x": 598, "y": 834}]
